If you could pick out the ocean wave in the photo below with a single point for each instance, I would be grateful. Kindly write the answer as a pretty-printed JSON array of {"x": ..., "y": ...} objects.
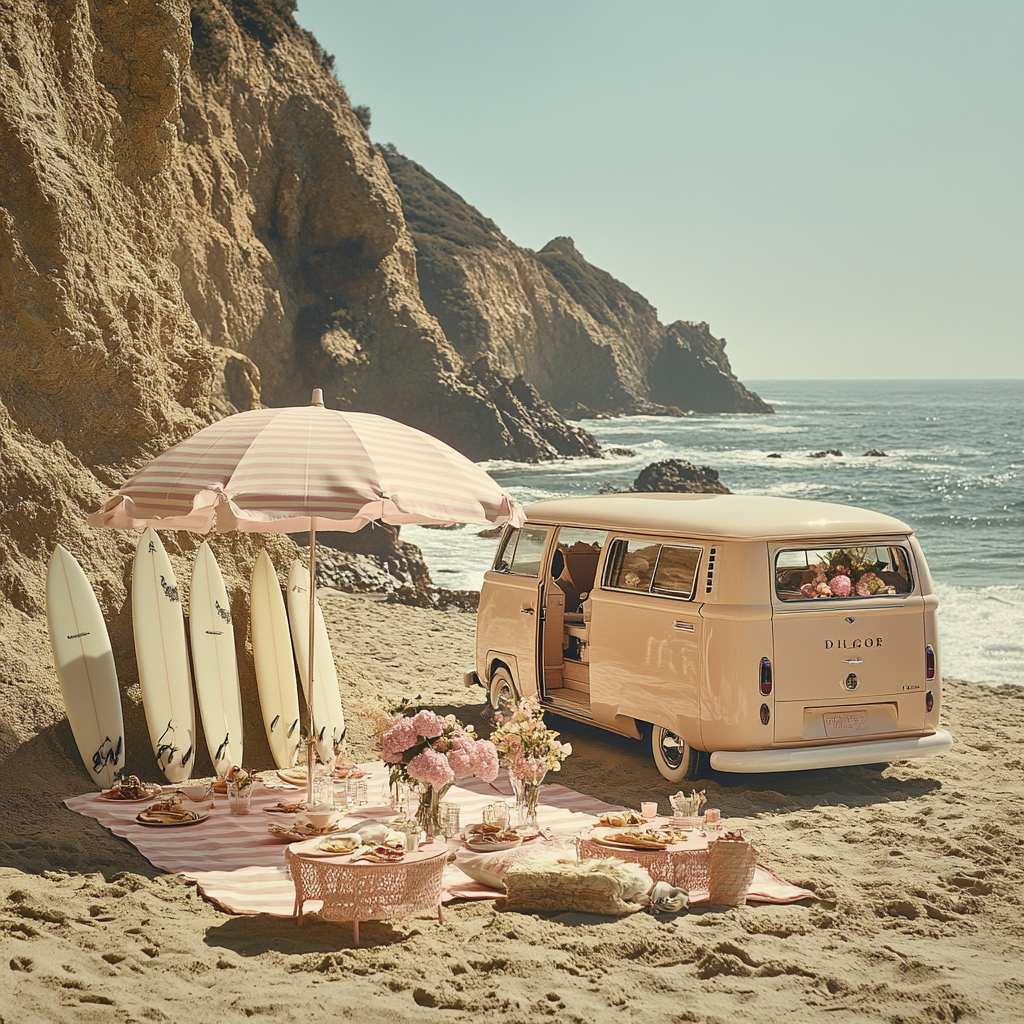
[{"x": 980, "y": 632}]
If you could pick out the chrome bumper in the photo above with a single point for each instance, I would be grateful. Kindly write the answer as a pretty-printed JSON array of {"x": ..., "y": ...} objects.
[
  {"x": 470, "y": 679},
  {"x": 838, "y": 755}
]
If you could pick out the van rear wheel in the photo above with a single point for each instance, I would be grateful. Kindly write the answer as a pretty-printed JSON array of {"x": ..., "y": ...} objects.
[
  {"x": 676, "y": 759},
  {"x": 502, "y": 694}
]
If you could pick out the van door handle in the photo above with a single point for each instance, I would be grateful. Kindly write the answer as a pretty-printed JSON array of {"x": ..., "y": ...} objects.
[
  {"x": 853, "y": 661},
  {"x": 525, "y": 611},
  {"x": 686, "y": 627}
]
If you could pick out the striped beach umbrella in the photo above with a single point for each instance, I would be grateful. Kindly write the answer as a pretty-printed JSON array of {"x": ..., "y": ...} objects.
[{"x": 302, "y": 469}]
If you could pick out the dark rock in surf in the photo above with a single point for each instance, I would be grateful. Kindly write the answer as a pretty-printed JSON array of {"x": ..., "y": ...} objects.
[{"x": 680, "y": 477}]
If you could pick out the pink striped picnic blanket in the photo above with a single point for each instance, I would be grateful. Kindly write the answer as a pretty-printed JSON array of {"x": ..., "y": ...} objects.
[{"x": 240, "y": 866}]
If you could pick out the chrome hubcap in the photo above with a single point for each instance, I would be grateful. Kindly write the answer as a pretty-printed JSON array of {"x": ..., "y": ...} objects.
[{"x": 671, "y": 749}]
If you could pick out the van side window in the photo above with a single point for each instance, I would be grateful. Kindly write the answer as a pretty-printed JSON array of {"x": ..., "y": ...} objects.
[
  {"x": 849, "y": 572},
  {"x": 676, "y": 571},
  {"x": 631, "y": 565},
  {"x": 522, "y": 551}
]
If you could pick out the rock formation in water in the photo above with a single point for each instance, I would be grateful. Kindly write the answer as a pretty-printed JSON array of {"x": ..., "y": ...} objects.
[
  {"x": 585, "y": 341},
  {"x": 679, "y": 476}
]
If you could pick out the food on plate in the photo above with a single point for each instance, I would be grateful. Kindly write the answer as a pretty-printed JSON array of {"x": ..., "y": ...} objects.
[
  {"x": 645, "y": 840},
  {"x": 283, "y": 808},
  {"x": 484, "y": 828},
  {"x": 166, "y": 812},
  {"x": 382, "y": 855},
  {"x": 130, "y": 788},
  {"x": 620, "y": 819},
  {"x": 493, "y": 838},
  {"x": 341, "y": 842}
]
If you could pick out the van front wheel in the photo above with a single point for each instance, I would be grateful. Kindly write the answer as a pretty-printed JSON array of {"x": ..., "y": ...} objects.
[
  {"x": 676, "y": 759},
  {"x": 502, "y": 694}
]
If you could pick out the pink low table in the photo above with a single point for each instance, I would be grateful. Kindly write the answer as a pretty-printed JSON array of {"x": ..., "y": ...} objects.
[
  {"x": 366, "y": 891},
  {"x": 685, "y": 865}
]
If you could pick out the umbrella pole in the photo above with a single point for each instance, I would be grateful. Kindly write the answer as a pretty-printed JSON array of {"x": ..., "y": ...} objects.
[{"x": 310, "y": 743}]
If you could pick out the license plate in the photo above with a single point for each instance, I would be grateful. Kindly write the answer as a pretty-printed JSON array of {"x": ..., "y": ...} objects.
[{"x": 855, "y": 722}]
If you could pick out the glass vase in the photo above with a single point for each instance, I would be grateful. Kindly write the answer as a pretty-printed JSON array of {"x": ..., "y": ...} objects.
[
  {"x": 527, "y": 793},
  {"x": 428, "y": 814}
]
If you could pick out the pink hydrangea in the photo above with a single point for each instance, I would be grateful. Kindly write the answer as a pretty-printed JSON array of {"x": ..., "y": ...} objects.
[
  {"x": 461, "y": 762},
  {"x": 431, "y": 769},
  {"x": 862, "y": 589},
  {"x": 840, "y": 586},
  {"x": 397, "y": 739},
  {"x": 428, "y": 724},
  {"x": 485, "y": 760}
]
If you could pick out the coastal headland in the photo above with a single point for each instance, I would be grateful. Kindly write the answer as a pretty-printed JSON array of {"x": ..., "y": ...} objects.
[{"x": 194, "y": 222}]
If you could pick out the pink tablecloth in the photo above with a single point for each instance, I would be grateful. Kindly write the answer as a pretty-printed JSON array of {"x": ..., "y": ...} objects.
[{"x": 238, "y": 865}]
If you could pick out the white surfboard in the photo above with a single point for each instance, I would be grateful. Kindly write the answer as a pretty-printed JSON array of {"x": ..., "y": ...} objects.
[
  {"x": 85, "y": 667},
  {"x": 328, "y": 716},
  {"x": 164, "y": 674},
  {"x": 214, "y": 662},
  {"x": 275, "y": 662}
]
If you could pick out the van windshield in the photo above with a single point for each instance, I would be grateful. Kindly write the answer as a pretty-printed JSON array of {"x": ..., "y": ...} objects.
[
  {"x": 521, "y": 551},
  {"x": 815, "y": 574}
]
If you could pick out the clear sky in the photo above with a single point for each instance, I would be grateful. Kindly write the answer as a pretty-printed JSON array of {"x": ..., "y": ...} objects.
[{"x": 837, "y": 188}]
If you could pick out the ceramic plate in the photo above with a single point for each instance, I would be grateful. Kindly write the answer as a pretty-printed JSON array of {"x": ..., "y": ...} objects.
[
  {"x": 194, "y": 819},
  {"x": 151, "y": 791},
  {"x": 603, "y": 836},
  {"x": 493, "y": 847}
]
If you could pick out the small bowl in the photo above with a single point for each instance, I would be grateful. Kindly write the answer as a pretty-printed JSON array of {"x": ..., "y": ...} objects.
[
  {"x": 319, "y": 817},
  {"x": 195, "y": 792}
]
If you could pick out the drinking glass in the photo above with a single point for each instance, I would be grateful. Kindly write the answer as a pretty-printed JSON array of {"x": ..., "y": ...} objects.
[
  {"x": 649, "y": 810},
  {"x": 341, "y": 796},
  {"x": 238, "y": 799}
]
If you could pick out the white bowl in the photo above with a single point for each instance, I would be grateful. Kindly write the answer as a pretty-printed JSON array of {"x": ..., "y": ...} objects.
[{"x": 194, "y": 791}]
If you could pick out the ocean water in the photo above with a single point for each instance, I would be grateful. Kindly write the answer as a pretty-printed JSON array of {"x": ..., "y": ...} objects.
[{"x": 954, "y": 471}]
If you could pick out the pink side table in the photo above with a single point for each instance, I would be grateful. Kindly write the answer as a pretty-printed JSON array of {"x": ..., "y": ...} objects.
[{"x": 366, "y": 891}]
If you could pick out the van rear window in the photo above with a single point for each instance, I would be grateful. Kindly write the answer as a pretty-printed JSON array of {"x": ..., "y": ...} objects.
[
  {"x": 639, "y": 565},
  {"x": 813, "y": 574}
]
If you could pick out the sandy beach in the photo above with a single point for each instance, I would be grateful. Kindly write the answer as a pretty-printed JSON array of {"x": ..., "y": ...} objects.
[{"x": 918, "y": 867}]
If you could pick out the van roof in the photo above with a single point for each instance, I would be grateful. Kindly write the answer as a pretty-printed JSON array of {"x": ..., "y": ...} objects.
[{"x": 728, "y": 516}]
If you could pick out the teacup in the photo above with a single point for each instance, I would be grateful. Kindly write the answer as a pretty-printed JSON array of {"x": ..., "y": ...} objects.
[
  {"x": 196, "y": 791},
  {"x": 319, "y": 817}
]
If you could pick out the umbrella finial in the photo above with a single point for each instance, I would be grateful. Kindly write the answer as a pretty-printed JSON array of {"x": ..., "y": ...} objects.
[{"x": 318, "y": 397}]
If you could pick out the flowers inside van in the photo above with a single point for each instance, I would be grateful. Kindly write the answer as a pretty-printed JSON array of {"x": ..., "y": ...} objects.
[{"x": 851, "y": 572}]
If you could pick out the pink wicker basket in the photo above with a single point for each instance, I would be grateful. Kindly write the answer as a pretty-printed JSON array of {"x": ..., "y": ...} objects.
[{"x": 731, "y": 872}]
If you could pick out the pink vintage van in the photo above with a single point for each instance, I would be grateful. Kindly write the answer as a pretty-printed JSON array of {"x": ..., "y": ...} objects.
[{"x": 769, "y": 633}]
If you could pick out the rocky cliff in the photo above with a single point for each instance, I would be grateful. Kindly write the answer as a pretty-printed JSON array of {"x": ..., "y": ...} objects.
[
  {"x": 584, "y": 340},
  {"x": 193, "y": 221}
]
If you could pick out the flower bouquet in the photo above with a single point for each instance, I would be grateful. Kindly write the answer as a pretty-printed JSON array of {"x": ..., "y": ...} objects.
[
  {"x": 429, "y": 753},
  {"x": 529, "y": 750},
  {"x": 846, "y": 572},
  {"x": 240, "y": 783}
]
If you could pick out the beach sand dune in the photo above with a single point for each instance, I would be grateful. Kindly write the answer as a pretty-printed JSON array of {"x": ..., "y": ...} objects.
[{"x": 918, "y": 867}]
